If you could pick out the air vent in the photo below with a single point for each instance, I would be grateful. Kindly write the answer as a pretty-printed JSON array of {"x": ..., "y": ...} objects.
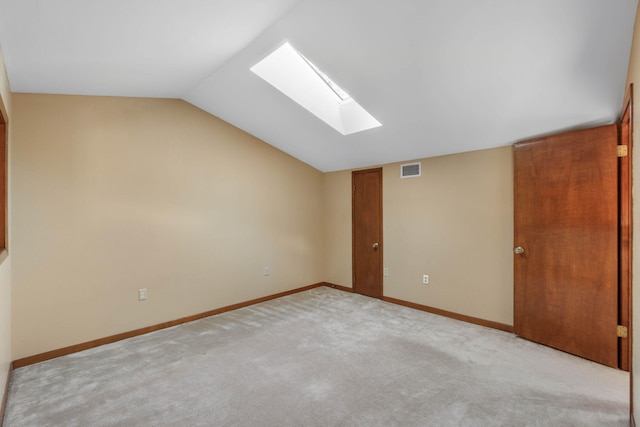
[{"x": 410, "y": 170}]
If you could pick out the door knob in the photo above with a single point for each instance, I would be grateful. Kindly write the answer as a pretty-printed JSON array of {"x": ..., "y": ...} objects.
[
  {"x": 375, "y": 245},
  {"x": 519, "y": 250}
]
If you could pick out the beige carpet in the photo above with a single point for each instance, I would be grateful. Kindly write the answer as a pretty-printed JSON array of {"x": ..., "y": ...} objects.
[{"x": 320, "y": 358}]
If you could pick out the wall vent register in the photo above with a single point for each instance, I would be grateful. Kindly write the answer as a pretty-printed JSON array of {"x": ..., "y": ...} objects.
[{"x": 410, "y": 170}]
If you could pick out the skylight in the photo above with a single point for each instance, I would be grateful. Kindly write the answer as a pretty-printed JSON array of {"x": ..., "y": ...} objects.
[{"x": 302, "y": 81}]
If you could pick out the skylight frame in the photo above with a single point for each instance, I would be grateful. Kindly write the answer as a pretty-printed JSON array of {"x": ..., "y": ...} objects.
[{"x": 340, "y": 93}]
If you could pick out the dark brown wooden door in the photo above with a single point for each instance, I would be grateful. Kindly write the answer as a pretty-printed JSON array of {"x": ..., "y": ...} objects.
[
  {"x": 566, "y": 222},
  {"x": 367, "y": 232}
]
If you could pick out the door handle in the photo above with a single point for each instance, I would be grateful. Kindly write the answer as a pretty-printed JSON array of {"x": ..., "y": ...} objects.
[
  {"x": 519, "y": 250},
  {"x": 375, "y": 245}
]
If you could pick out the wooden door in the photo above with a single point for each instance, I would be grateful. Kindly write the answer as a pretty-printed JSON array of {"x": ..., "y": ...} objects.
[
  {"x": 367, "y": 232},
  {"x": 566, "y": 224}
]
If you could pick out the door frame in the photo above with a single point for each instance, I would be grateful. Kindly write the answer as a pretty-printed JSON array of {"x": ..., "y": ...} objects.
[
  {"x": 354, "y": 283},
  {"x": 626, "y": 245}
]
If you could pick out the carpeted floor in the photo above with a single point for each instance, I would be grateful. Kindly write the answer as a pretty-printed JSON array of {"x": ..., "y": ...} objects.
[{"x": 320, "y": 358}]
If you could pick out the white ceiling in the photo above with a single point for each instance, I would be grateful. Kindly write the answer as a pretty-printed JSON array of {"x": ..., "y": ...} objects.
[{"x": 442, "y": 76}]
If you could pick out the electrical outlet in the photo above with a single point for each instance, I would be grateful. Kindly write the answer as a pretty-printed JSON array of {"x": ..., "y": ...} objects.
[
  {"x": 142, "y": 294},
  {"x": 425, "y": 279},
  {"x": 386, "y": 272},
  {"x": 267, "y": 271}
]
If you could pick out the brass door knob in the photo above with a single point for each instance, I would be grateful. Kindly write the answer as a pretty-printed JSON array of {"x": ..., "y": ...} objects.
[
  {"x": 519, "y": 250},
  {"x": 375, "y": 245}
]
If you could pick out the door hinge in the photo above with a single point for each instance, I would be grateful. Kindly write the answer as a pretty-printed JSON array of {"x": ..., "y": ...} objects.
[
  {"x": 622, "y": 331},
  {"x": 623, "y": 151}
]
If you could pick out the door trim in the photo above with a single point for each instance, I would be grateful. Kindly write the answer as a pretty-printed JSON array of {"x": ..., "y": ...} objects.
[
  {"x": 627, "y": 109},
  {"x": 625, "y": 230}
]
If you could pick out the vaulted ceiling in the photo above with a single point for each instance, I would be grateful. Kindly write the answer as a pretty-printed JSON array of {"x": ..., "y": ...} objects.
[{"x": 442, "y": 76}]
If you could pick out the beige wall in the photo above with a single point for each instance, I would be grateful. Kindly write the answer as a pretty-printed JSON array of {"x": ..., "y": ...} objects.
[
  {"x": 337, "y": 225},
  {"x": 116, "y": 194},
  {"x": 633, "y": 77},
  {"x": 5, "y": 266},
  {"x": 454, "y": 223}
]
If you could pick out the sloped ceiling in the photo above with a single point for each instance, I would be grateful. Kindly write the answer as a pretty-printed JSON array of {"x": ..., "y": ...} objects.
[{"x": 442, "y": 76}]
